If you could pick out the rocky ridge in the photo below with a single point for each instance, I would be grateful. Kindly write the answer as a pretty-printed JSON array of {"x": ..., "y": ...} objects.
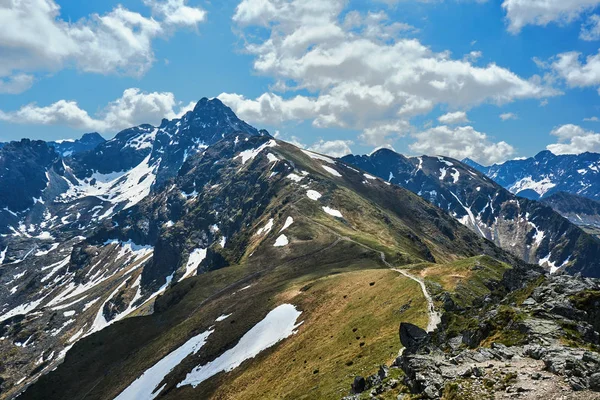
[{"x": 531, "y": 341}]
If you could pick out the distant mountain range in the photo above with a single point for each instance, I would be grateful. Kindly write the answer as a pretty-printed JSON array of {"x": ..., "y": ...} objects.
[
  {"x": 529, "y": 229},
  {"x": 547, "y": 173}
]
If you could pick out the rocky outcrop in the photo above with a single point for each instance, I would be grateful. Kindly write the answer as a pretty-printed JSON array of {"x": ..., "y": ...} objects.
[{"x": 539, "y": 335}]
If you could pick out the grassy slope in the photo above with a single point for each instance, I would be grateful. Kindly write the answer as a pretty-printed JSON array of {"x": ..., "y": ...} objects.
[{"x": 383, "y": 218}]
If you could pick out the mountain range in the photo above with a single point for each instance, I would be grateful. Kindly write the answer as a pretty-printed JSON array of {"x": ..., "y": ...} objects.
[
  {"x": 203, "y": 258},
  {"x": 546, "y": 173}
]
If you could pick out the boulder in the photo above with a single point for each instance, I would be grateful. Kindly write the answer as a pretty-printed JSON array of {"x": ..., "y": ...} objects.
[
  {"x": 412, "y": 337},
  {"x": 359, "y": 385}
]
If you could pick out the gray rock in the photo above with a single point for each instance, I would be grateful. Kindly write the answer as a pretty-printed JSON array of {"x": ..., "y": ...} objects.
[{"x": 594, "y": 382}]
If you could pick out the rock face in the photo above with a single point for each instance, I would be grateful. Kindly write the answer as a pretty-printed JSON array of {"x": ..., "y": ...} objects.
[
  {"x": 579, "y": 210},
  {"x": 546, "y": 173},
  {"x": 529, "y": 229},
  {"x": 540, "y": 336}
]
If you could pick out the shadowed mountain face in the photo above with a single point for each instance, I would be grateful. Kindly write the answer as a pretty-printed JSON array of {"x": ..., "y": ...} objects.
[
  {"x": 546, "y": 173},
  {"x": 529, "y": 229},
  {"x": 67, "y": 148},
  {"x": 579, "y": 210}
]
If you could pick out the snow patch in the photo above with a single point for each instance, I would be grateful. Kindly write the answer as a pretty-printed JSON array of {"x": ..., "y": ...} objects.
[
  {"x": 331, "y": 171},
  {"x": 540, "y": 187},
  {"x": 250, "y": 154},
  {"x": 281, "y": 241},
  {"x": 295, "y": 177},
  {"x": 313, "y": 195},
  {"x": 318, "y": 156},
  {"x": 288, "y": 221},
  {"x": 275, "y": 327},
  {"x": 265, "y": 229},
  {"x": 145, "y": 387},
  {"x": 222, "y": 317},
  {"x": 333, "y": 212},
  {"x": 193, "y": 262}
]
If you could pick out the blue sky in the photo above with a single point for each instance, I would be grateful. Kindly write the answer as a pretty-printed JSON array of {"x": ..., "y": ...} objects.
[{"x": 333, "y": 75}]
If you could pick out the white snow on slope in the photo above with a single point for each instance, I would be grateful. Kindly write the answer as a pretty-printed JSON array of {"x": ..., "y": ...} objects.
[
  {"x": 331, "y": 171},
  {"x": 442, "y": 173},
  {"x": 313, "y": 195},
  {"x": 276, "y": 326},
  {"x": 443, "y": 160},
  {"x": 295, "y": 177},
  {"x": 117, "y": 187},
  {"x": 250, "y": 154},
  {"x": 288, "y": 221},
  {"x": 455, "y": 175},
  {"x": 40, "y": 253},
  {"x": 145, "y": 387},
  {"x": 222, "y": 317},
  {"x": 193, "y": 262},
  {"x": 370, "y": 177},
  {"x": 22, "y": 309},
  {"x": 55, "y": 268},
  {"x": 318, "y": 156},
  {"x": 3, "y": 255},
  {"x": 281, "y": 241},
  {"x": 540, "y": 187},
  {"x": 265, "y": 229},
  {"x": 333, "y": 212}
]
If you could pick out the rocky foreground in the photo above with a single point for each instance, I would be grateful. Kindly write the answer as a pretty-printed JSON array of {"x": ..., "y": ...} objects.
[{"x": 539, "y": 341}]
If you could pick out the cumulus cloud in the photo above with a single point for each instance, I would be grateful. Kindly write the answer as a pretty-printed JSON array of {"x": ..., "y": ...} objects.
[
  {"x": 520, "y": 13},
  {"x": 461, "y": 142},
  {"x": 333, "y": 148},
  {"x": 132, "y": 108},
  {"x": 15, "y": 84},
  {"x": 34, "y": 38},
  {"x": 573, "y": 139},
  {"x": 359, "y": 69},
  {"x": 508, "y": 116},
  {"x": 452, "y": 118},
  {"x": 176, "y": 12},
  {"x": 569, "y": 67}
]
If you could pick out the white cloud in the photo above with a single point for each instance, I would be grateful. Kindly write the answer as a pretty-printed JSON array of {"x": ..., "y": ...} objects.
[
  {"x": 34, "y": 38},
  {"x": 508, "y": 116},
  {"x": 569, "y": 67},
  {"x": 520, "y": 13},
  {"x": 591, "y": 29},
  {"x": 333, "y": 148},
  {"x": 573, "y": 139},
  {"x": 592, "y": 119},
  {"x": 176, "y": 12},
  {"x": 452, "y": 118},
  {"x": 133, "y": 108},
  {"x": 15, "y": 84},
  {"x": 460, "y": 143},
  {"x": 385, "y": 132},
  {"x": 359, "y": 69}
]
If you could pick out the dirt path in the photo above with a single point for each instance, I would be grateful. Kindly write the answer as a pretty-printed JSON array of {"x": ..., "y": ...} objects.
[{"x": 434, "y": 316}]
